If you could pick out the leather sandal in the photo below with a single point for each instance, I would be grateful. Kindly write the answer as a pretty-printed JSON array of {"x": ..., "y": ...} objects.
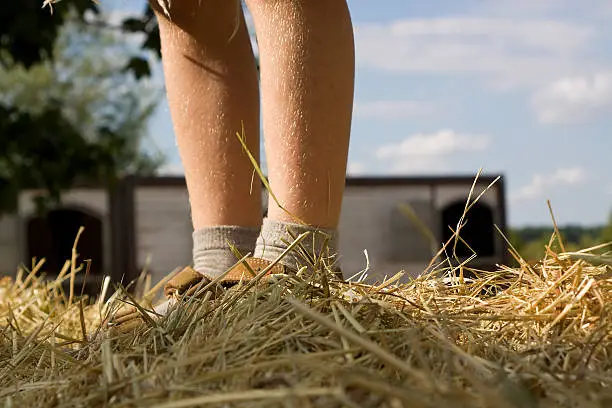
[{"x": 187, "y": 282}]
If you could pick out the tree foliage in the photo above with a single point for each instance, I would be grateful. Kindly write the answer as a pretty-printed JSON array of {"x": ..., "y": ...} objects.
[
  {"x": 531, "y": 242},
  {"x": 75, "y": 96},
  {"x": 28, "y": 33}
]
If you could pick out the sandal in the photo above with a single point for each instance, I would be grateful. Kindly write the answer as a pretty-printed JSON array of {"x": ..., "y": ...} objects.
[{"x": 186, "y": 283}]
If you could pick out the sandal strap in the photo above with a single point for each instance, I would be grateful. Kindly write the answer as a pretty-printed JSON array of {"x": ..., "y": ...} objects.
[
  {"x": 182, "y": 282},
  {"x": 241, "y": 273},
  {"x": 188, "y": 278},
  {"x": 186, "y": 282}
]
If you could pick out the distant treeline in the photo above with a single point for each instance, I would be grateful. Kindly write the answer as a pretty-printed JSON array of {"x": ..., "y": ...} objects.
[
  {"x": 530, "y": 242},
  {"x": 571, "y": 233}
]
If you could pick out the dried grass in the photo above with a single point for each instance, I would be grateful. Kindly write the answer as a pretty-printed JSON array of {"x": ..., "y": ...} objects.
[
  {"x": 533, "y": 336},
  {"x": 525, "y": 337}
]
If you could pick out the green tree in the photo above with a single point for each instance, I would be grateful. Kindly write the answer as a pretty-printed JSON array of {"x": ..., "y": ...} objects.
[
  {"x": 606, "y": 232},
  {"x": 74, "y": 100},
  {"x": 144, "y": 25}
]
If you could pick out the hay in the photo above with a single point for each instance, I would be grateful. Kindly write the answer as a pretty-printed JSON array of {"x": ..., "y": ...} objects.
[
  {"x": 524, "y": 337},
  {"x": 532, "y": 336}
]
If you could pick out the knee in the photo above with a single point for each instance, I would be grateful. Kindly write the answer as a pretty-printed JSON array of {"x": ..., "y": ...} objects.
[
  {"x": 183, "y": 12},
  {"x": 297, "y": 9},
  {"x": 300, "y": 4},
  {"x": 177, "y": 10},
  {"x": 162, "y": 7}
]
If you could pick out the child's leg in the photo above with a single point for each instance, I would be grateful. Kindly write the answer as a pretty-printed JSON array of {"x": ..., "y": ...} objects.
[
  {"x": 212, "y": 87},
  {"x": 307, "y": 79},
  {"x": 307, "y": 61}
]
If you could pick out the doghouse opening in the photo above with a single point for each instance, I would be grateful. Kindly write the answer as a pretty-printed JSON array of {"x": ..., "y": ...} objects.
[
  {"x": 478, "y": 230},
  {"x": 52, "y": 237}
]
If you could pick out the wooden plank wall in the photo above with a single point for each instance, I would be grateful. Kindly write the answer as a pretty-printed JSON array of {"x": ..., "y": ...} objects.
[
  {"x": 9, "y": 244},
  {"x": 162, "y": 229}
]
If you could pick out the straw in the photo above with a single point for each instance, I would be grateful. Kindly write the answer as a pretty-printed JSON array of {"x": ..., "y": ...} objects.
[{"x": 542, "y": 341}]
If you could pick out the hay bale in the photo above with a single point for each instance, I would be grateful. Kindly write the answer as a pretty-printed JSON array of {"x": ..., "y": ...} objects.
[{"x": 542, "y": 341}]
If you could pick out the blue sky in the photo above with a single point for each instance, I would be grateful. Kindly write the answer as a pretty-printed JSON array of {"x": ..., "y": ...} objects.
[{"x": 522, "y": 88}]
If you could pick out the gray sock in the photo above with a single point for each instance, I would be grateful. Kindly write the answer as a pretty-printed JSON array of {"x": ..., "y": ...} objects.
[
  {"x": 212, "y": 255},
  {"x": 271, "y": 243}
]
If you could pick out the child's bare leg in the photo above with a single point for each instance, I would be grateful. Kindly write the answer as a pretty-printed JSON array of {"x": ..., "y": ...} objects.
[
  {"x": 212, "y": 88},
  {"x": 307, "y": 61},
  {"x": 307, "y": 79}
]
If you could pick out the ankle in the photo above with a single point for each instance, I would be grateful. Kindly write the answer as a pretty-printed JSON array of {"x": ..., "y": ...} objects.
[
  {"x": 212, "y": 255},
  {"x": 320, "y": 246}
]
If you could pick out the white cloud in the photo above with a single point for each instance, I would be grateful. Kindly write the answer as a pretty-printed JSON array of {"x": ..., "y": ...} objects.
[
  {"x": 419, "y": 165},
  {"x": 171, "y": 169},
  {"x": 442, "y": 143},
  {"x": 356, "y": 168},
  {"x": 523, "y": 8},
  {"x": 590, "y": 9},
  {"x": 542, "y": 184},
  {"x": 430, "y": 153},
  {"x": 387, "y": 110},
  {"x": 605, "y": 9},
  {"x": 574, "y": 99},
  {"x": 510, "y": 51}
]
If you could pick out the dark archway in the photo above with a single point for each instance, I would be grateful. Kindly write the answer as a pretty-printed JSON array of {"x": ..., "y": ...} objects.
[
  {"x": 52, "y": 237},
  {"x": 478, "y": 232}
]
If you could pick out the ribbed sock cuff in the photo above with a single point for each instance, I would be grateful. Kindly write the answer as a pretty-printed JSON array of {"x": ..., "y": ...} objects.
[
  {"x": 275, "y": 238},
  {"x": 212, "y": 255}
]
